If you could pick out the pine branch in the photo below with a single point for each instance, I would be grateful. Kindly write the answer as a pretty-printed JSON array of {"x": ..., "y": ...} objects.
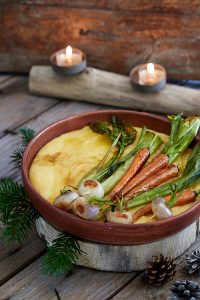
[
  {"x": 16, "y": 157},
  {"x": 61, "y": 256},
  {"x": 27, "y": 135},
  {"x": 18, "y": 214}
]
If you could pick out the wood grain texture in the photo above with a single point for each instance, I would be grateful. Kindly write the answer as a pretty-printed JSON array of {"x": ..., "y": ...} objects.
[
  {"x": 4, "y": 78},
  {"x": 126, "y": 33},
  {"x": 123, "y": 258},
  {"x": 15, "y": 258},
  {"x": 32, "y": 284},
  {"x": 108, "y": 88},
  {"x": 178, "y": 6},
  {"x": 13, "y": 84},
  {"x": 17, "y": 108},
  {"x": 137, "y": 289}
]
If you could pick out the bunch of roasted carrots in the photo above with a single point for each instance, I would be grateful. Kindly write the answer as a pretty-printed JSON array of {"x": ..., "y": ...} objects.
[{"x": 137, "y": 180}]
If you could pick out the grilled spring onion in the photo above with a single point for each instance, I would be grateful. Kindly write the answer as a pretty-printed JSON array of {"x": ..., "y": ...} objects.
[
  {"x": 122, "y": 135},
  {"x": 191, "y": 176},
  {"x": 182, "y": 133}
]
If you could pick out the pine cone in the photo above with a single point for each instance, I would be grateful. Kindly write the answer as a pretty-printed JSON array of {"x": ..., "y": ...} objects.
[
  {"x": 160, "y": 270},
  {"x": 193, "y": 262},
  {"x": 185, "y": 289}
]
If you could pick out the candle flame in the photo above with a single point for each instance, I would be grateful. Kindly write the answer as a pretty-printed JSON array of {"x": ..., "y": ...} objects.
[
  {"x": 150, "y": 68},
  {"x": 68, "y": 52}
]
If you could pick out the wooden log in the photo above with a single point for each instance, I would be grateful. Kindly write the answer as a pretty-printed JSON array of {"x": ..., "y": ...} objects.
[
  {"x": 102, "y": 87},
  {"x": 123, "y": 258},
  {"x": 116, "y": 35}
]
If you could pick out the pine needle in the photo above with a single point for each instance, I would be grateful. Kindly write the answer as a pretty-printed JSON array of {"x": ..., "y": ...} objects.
[
  {"x": 16, "y": 157},
  {"x": 27, "y": 135},
  {"x": 61, "y": 255},
  {"x": 18, "y": 214}
]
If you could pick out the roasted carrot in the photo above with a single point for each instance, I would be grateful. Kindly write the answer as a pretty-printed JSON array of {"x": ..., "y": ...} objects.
[
  {"x": 145, "y": 210},
  {"x": 187, "y": 196},
  {"x": 136, "y": 165},
  {"x": 158, "y": 163},
  {"x": 155, "y": 180}
]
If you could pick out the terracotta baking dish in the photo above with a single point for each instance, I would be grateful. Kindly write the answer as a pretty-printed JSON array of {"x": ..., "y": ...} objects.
[{"x": 93, "y": 230}]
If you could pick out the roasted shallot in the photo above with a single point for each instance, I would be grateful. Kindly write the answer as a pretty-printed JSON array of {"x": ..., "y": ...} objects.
[
  {"x": 124, "y": 217},
  {"x": 160, "y": 209},
  {"x": 90, "y": 187},
  {"x": 85, "y": 210},
  {"x": 65, "y": 200}
]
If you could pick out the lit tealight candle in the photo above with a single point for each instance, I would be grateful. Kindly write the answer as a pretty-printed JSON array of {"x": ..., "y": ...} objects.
[
  {"x": 68, "y": 61},
  {"x": 69, "y": 58},
  {"x": 149, "y": 77},
  {"x": 150, "y": 74}
]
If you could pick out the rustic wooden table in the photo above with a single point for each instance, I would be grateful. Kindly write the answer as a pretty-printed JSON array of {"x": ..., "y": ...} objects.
[{"x": 20, "y": 265}]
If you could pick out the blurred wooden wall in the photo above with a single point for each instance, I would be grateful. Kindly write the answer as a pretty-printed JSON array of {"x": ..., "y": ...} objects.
[{"x": 115, "y": 34}]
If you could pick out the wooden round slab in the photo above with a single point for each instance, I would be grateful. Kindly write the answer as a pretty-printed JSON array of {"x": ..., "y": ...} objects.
[{"x": 123, "y": 258}]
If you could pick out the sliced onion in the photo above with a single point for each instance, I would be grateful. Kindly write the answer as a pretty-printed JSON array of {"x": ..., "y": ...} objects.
[
  {"x": 119, "y": 217},
  {"x": 64, "y": 201},
  {"x": 85, "y": 210},
  {"x": 160, "y": 209},
  {"x": 90, "y": 188}
]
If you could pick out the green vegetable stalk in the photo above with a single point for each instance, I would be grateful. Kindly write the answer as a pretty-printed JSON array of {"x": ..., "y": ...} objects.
[
  {"x": 182, "y": 133},
  {"x": 122, "y": 135}
]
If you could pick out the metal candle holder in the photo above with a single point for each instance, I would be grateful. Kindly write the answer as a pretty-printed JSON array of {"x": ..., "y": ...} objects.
[
  {"x": 155, "y": 87},
  {"x": 71, "y": 69}
]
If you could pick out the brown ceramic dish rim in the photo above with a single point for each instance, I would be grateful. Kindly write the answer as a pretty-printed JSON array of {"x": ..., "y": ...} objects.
[{"x": 97, "y": 224}]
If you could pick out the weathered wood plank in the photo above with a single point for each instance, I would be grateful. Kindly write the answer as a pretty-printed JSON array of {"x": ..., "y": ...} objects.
[
  {"x": 104, "y": 87},
  {"x": 13, "y": 84},
  {"x": 84, "y": 283},
  {"x": 10, "y": 142},
  {"x": 179, "y": 6},
  {"x": 4, "y": 78},
  {"x": 169, "y": 35},
  {"x": 19, "y": 107},
  {"x": 16, "y": 257},
  {"x": 141, "y": 291}
]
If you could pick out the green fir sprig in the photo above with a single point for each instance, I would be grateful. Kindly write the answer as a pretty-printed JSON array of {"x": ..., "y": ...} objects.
[
  {"x": 61, "y": 255},
  {"x": 17, "y": 212},
  {"x": 27, "y": 135},
  {"x": 18, "y": 216}
]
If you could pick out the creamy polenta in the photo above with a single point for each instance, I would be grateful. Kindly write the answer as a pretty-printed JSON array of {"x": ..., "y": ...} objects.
[{"x": 64, "y": 161}]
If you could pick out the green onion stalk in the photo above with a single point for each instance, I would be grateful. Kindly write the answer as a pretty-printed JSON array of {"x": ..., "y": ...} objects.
[
  {"x": 121, "y": 135},
  {"x": 182, "y": 133}
]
